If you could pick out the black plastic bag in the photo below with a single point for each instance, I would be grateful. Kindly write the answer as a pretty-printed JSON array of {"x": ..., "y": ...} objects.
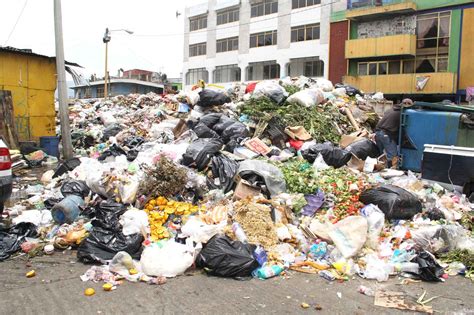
[
  {"x": 210, "y": 119},
  {"x": 75, "y": 187},
  {"x": 430, "y": 270},
  {"x": 132, "y": 155},
  {"x": 12, "y": 238},
  {"x": 66, "y": 166},
  {"x": 107, "y": 215},
  {"x": 364, "y": 148},
  {"x": 224, "y": 257},
  {"x": 113, "y": 150},
  {"x": 223, "y": 169},
  {"x": 350, "y": 90},
  {"x": 103, "y": 244},
  {"x": 236, "y": 131},
  {"x": 51, "y": 202},
  {"x": 223, "y": 124},
  {"x": 333, "y": 156},
  {"x": 208, "y": 98},
  {"x": 203, "y": 131},
  {"x": 111, "y": 131},
  {"x": 200, "y": 152},
  {"x": 397, "y": 203}
]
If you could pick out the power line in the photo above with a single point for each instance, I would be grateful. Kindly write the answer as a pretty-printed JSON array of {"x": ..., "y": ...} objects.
[
  {"x": 16, "y": 23},
  {"x": 232, "y": 26}
]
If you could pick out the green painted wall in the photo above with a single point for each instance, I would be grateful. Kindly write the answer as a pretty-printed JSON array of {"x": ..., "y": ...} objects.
[
  {"x": 338, "y": 16},
  {"x": 352, "y": 67},
  {"x": 454, "y": 40},
  {"x": 352, "y": 30},
  {"x": 431, "y": 4}
]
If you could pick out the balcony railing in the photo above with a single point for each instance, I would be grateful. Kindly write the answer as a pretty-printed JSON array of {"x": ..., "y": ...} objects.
[
  {"x": 355, "y": 4},
  {"x": 366, "y": 9}
]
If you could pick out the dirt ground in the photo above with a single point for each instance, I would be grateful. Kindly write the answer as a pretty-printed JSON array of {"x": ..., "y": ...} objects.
[{"x": 57, "y": 289}]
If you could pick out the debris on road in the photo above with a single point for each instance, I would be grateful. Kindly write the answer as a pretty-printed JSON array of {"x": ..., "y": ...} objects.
[{"x": 242, "y": 184}]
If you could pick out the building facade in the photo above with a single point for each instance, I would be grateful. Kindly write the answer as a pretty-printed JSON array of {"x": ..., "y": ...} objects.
[
  {"x": 116, "y": 86},
  {"x": 415, "y": 48},
  {"x": 31, "y": 80},
  {"x": 248, "y": 40}
]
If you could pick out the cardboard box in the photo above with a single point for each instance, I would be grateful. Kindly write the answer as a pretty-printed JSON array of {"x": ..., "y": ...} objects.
[
  {"x": 244, "y": 190},
  {"x": 258, "y": 146},
  {"x": 347, "y": 140}
]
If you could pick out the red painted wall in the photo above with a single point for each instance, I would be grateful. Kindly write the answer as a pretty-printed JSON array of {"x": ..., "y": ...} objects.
[{"x": 339, "y": 33}]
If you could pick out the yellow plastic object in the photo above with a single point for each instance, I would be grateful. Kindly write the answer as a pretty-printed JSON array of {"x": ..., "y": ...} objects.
[
  {"x": 31, "y": 274},
  {"x": 133, "y": 271},
  {"x": 89, "y": 292}
]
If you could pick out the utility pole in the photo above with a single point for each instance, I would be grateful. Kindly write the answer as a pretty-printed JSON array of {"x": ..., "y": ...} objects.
[
  {"x": 106, "y": 41},
  {"x": 62, "y": 87}
]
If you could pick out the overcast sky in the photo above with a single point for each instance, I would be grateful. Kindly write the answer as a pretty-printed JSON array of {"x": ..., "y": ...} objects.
[{"x": 157, "y": 42}]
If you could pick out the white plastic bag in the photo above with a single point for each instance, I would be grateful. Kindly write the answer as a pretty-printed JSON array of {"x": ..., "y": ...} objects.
[
  {"x": 128, "y": 191},
  {"x": 307, "y": 98},
  {"x": 270, "y": 89},
  {"x": 324, "y": 84},
  {"x": 283, "y": 233},
  {"x": 192, "y": 97},
  {"x": 375, "y": 220},
  {"x": 319, "y": 163},
  {"x": 376, "y": 268},
  {"x": 107, "y": 118},
  {"x": 349, "y": 235},
  {"x": 134, "y": 221},
  {"x": 199, "y": 231},
  {"x": 168, "y": 261}
]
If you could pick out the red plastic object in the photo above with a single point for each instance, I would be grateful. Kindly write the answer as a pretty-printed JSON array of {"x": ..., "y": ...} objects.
[
  {"x": 251, "y": 87},
  {"x": 297, "y": 144}
]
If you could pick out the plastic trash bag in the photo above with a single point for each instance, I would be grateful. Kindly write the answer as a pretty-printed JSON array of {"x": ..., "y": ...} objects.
[
  {"x": 395, "y": 202},
  {"x": 375, "y": 268},
  {"x": 66, "y": 166},
  {"x": 107, "y": 214},
  {"x": 200, "y": 152},
  {"x": 201, "y": 232},
  {"x": 313, "y": 203},
  {"x": 169, "y": 260},
  {"x": 208, "y": 98},
  {"x": 203, "y": 131},
  {"x": 442, "y": 238},
  {"x": 270, "y": 89},
  {"x": 224, "y": 257},
  {"x": 122, "y": 263},
  {"x": 75, "y": 187},
  {"x": 273, "y": 177},
  {"x": 134, "y": 221},
  {"x": 375, "y": 220},
  {"x": 333, "y": 156},
  {"x": 307, "y": 98},
  {"x": 210, "y": 119},
  {"x": 349, "y": 235},
  {"x": 102, "y": 245},
  {"x": 430, "y": 270},
  {"x": 350, "y": 90},
  {"x": 364, "y": 148},
  {"x": 223, "y": 173},
  {"x": 12, "y": 238},
  {"x": 223, "y": 123},
  {"x": 324, "y": 84},
  {"x": 107, "y": 118},
  {"x": 111, "y": 131}
]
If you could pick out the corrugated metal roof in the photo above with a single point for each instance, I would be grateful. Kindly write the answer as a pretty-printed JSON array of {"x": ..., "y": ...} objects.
[{"x": 30, "y": 52}]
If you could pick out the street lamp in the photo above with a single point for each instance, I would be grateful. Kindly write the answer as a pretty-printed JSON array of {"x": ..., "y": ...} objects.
[{"x": 106, "y": 40}]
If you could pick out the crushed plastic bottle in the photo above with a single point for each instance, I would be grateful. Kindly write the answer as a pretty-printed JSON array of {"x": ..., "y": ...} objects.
[
  {"x": 239, "y": 232},
  {"x": 366, "y": 290},
  {"x": 267, "y": 272}
]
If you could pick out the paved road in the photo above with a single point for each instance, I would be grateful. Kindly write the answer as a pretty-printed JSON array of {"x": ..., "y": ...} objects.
[{"x": 57, "y": 289}]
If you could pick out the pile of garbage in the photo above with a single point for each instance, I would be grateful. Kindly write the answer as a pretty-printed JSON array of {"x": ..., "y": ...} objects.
[{"x": 249, "y": 180}]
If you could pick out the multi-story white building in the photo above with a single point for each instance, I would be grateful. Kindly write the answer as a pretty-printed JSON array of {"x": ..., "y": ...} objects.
[{"x": 245, "y": 40}]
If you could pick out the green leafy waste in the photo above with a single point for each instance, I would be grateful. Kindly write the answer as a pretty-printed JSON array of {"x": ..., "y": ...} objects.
[
  {"x": 320, "y": 121},
  {"x": 463, "y": 256}
]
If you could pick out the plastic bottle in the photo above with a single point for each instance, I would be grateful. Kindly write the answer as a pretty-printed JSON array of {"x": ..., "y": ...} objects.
[
  {"x": 366, "y": 290},
  {"x": 260, "y": 255},
  {"x": 239, "y": 232},
  {"x": 67, "y": 210},
  {"x": 326, "y": 274},
  {"x": 266, "y": 272}
]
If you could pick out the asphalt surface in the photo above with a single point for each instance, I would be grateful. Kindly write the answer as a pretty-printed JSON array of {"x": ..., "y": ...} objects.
[{"x": 57, "y": 289}]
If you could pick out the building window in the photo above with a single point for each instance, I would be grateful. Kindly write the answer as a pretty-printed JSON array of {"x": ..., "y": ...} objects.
[
  {"x": 194, "y": 75},
  {"x": 228, "y": 16},
  {"x": 197, "y": 49},
  {"x": 394, "y": 67},
  {"x": 314, "y": 68},
  {"x": 305, "y": 32},
  {"x": 296, "y": 4},
  {"x": 100, "y": 91},
  {"x": 408, "y": 66},
  {"x": 264, "y": 7},
  {"x": 263, "y": 70},
  {"x": 88, "y": 93},
  {"x": 382, "y": 68},
  {"x": 197, "y": 23},
  {"x": 362, "y": 68},
  {"x": 432, "y": 31},
  {"x": 228, "y": 73},
  {"x": 263, "y": 39},
  {"x": 227, "y": 44}
]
